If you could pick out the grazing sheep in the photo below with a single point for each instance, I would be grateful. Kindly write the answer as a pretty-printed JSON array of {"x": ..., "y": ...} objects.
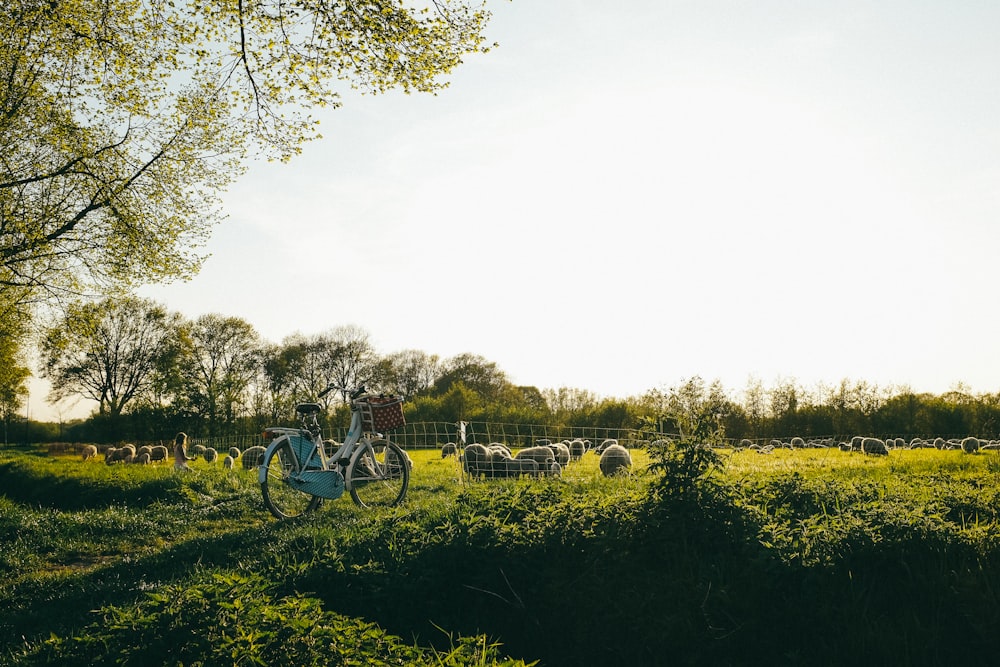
[
  {"x": 561, "y": 452},
  {"x": 253, "y": 457},
  {"x": 145, "y": 449},
  {"x": 227, "y": 462},
  {"x": 475, "y": 460},
  {"x": 615, "y": 459},
  {"x": 141, "y": 458},
  {"x": 234, "y": 452},
  {"x": 518, "y": 467},
  {"x": 449, "y": 449},
  {"x": 577, "y": 449},
  {"x": 89, "y": 452},
  {"x": 970, "y": 445},
  {"x": 158, "y": 453},
  {"x": 117, "y": 455},
  {"x": 499, "y": 446},
  {"x": 874, "y": 446},
  {"x": 541, "y": 454},
  {"x": 197, "y": 450},
  {"x": 210, "y": 454},
  {"x": 605, "y": 444},
  {"x": 797, "y": 443},
  {"x": 745, "y": 443}
]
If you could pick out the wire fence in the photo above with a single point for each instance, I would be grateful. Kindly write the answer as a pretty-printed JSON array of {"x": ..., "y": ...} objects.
[{"x": 433, "y": 435}]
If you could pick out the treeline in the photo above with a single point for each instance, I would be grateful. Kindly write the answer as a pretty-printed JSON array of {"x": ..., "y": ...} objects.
[{"x": 152, "y": 373}]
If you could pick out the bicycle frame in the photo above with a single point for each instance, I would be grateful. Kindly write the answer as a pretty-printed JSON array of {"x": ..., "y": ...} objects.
[{"x": 313, "y": 465}]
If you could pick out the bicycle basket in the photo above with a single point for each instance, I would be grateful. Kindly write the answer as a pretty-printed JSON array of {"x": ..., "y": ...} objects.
[{"x": 380, "y": 414}]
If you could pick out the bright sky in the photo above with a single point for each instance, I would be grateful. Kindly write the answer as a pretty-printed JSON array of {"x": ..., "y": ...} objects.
[{"x": 622, "y": 196}]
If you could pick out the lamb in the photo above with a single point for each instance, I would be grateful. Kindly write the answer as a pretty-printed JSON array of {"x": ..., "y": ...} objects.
[
  {"x": 89, "y": 452},
  {"x": 141, "y": 458},
  {"x": 449, "y": 449},
  {"x": 874, "y": 446},
  {"x": 227, "y": 462},
  {"x": 253, "y": 457},
  {"x": 210, "y": 454},
  {"x": 615, "y": 459}
]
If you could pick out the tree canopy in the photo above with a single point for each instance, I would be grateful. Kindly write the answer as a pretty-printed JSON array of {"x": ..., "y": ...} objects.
[{"x": 122, "y": 121}]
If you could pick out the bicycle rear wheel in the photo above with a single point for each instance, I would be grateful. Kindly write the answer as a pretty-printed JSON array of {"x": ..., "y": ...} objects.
[
  {"x": 281, "y": 498},
  {"x": 380, "y": 474}
]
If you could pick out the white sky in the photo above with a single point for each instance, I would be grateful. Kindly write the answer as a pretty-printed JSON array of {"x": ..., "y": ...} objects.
[{"x": 623, "y": 195}]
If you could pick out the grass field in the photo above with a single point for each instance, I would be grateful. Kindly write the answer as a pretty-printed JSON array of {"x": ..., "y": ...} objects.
[{"x": 796, "y": 557}]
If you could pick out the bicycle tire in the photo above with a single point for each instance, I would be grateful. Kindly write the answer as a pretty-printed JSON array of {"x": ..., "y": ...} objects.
[
  {"x": 281, "y": 498},
  {"x": 379, "y": 474}
]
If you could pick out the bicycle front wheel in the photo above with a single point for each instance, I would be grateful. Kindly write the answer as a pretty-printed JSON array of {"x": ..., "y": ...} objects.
[
  {"x": 380, "y": 474},
  {"x": 281, "y": 498}
]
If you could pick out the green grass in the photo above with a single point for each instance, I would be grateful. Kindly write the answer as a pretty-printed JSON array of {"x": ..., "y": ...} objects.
[{"x": 797, "y": 557}]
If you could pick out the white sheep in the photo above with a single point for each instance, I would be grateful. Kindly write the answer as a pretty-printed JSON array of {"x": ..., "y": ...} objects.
[
  {"x": 797, "y": 443},
  {"x": 234, "y": 452},
  {"x": 159, "y": 453},
  {"x": 605, "y": 444},
  {"x": 615, "y": 459},
  {"x": 577, "y": 448},
  {"x": 253, "y": 457},
  {"x": 475, "y": 459},
  {"x": 227, "y": 462},
  {"x": 541, "y": 454},
  {"x": 449, "y": 449},
  {"x": 210, "y": 454},
  {"x": 89, "y": 452},
  {"x": 141, "y": 458},
  {"x": 561, "y": 452},
  {"x": 970, "y": 445},
  {"x": 874, "y": 446}
]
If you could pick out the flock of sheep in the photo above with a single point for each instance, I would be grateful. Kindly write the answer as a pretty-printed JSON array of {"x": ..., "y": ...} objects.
[
  {"x": 251, "y": 458},
  {"x": 544, "y": 459},
  {"x": 875, "y": 446}
]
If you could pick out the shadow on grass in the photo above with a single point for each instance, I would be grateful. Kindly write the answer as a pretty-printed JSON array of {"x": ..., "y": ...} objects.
[{"x": 683, "y": 583}]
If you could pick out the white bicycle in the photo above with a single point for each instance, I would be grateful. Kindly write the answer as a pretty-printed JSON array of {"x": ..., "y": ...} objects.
[{"x": 298, "y": 472}]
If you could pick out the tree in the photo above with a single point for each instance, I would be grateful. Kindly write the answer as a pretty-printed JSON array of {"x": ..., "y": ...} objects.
[
  {"x": 107, "y": 351},
  {"x": 348, "y": 358},
  {"x": 476, "y": 373},
  {"x": 409, "y": 372},
  {"x": 14, "y": 373},
  {"x": 121, "y": 121},
  {"x": 223, "y": 355}
]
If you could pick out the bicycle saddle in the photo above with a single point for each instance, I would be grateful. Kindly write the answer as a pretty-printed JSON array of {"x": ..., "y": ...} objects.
[{"x": 308, "y": 408}]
